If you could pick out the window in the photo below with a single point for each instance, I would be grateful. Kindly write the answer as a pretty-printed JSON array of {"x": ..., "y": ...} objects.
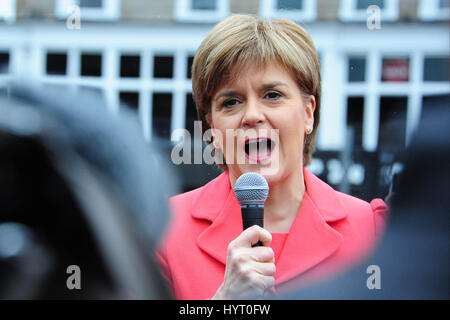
[
  {"x": 208, "y": 11},
  {"x": 297, "y": 10},
  {"x": 392, "y": 132},
  {"x": 163, "y": 67},
  {"x": 436, "y": 69},
  {"x": 355, "y": 112},
  {"x": 8, "y": 11},
  {"x": 191, "y": 114},
  {"x": 89, "y": 9},
  {"x": 4, "y": 62},
  {"x": 190, "y": 61},
  {"x": 130, "y": 99},
  {"x": 356, "y": 10},
  {"x": 431, "y": 10},
  {"x": 356, "y": 69},
  {"x": 162, "y": 114},
  {"x": 130, "y": 66},
  {"x": 434, "y": 103},
  {"x": 91, "y": 64},
  {"x": 395, "y": 70},
  {"x": 56, "y": 63}
]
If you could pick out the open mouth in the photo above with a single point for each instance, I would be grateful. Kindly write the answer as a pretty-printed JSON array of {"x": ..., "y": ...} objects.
[{"x": 258, "y": 149}]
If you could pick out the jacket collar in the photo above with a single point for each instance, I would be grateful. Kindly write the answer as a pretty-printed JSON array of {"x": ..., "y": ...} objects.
[{"x": 310, "y": 238}]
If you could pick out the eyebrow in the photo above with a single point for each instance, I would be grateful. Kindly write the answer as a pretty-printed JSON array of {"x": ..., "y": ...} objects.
[
  {"x": 273, "y": 84},
  {"x": 232, "y": 93}
]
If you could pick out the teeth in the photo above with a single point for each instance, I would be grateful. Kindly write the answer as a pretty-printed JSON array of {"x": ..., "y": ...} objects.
[{"x": 255, "y": 146}]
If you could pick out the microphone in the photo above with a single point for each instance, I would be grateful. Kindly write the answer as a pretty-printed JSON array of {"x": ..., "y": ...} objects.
[{"x": 251, "y": 190}]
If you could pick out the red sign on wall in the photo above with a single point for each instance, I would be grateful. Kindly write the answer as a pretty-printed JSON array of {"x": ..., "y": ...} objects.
[{"x": 395, "y": 70}]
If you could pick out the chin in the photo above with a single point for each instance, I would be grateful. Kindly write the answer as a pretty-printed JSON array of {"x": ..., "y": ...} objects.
[{"x": 269, "y": 171}]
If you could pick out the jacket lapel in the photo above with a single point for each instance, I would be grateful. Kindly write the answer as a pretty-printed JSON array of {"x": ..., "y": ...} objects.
[
  {"x": 218, "y": 204},
  {"x": 310, "y": 239}
]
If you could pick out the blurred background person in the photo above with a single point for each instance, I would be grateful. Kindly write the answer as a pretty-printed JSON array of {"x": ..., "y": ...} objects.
[
  {"x": 83, "y": 200},
  {"x": 413, "y": 260}
]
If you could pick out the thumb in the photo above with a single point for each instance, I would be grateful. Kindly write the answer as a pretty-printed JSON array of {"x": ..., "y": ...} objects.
[{"x": 252, "y": 235}]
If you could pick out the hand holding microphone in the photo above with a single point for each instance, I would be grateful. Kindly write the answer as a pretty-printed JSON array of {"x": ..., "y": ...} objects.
[{"x": 250, "y": 260}]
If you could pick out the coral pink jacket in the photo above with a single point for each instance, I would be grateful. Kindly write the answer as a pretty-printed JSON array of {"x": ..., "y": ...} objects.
[{"x": 331, "y": 232}]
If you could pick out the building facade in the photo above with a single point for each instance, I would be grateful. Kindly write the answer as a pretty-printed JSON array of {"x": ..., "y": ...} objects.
[{"x": 384, "y": 63}]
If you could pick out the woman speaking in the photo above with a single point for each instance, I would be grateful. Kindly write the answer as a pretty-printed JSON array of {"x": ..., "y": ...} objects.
[{"x": 262, "y": 76}]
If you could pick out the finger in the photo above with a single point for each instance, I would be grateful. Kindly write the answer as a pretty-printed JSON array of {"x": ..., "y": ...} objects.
[
  {"x": 252, "y": 235},
  {"x": 263, "y": 268},
  {"x": 263, "y": 283},
  {"x": 261, "y": 254}
]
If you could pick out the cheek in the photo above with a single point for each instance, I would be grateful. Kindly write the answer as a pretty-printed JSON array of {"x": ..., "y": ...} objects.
[
  {"x": 292, "y": 135},
  {"x": 224, "y": 125}
]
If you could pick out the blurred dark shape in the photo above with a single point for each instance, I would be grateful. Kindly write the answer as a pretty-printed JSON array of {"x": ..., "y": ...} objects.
[
  {"x": 78, "y": 186},
  {"x": 413, "y": 257}
]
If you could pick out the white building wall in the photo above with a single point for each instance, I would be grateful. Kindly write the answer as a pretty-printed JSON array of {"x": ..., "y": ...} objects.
[{"x": 28, "y": 43}]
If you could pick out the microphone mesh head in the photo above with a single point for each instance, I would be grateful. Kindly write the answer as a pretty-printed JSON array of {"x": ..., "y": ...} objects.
[{"x": 251, "y": 187}]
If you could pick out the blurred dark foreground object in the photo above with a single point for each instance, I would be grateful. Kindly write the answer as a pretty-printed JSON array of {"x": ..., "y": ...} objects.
[
  {"x": 83, "y": 200},
  {"x": 413, "y": 258}
]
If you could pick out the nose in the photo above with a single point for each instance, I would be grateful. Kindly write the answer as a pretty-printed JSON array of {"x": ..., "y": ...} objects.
[{"x": 253, "y": 115}]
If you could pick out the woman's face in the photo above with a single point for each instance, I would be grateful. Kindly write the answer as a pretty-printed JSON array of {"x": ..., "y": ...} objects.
[{"x": 259, "y": 122}]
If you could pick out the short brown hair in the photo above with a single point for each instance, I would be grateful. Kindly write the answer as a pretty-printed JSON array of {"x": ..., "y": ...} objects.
[{"x": 243, "y": 40}]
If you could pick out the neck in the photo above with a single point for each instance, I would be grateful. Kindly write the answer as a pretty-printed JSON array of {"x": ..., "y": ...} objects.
[{"x": 283, "y": 202}]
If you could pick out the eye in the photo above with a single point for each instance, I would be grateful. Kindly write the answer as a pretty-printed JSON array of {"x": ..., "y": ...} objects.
[
  {"x": 273, "y": 95},
  {"x": 228, "y": 103}
]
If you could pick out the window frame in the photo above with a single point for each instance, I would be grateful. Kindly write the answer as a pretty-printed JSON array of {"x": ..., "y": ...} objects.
[
  {"x": 268, "y": 9},
  {"x": 110, "y": 10},
  {"x": 348, "y": 11},
  {"x": 8, "y": 14},
  {"x": 184, "y": 13},
  {"x": 429, "y": 11}
]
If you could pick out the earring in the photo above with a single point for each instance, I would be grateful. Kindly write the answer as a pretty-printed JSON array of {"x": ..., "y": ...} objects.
[{"x": 308, "y": 129}]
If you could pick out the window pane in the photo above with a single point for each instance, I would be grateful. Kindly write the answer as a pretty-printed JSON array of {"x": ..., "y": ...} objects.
[
  {"x": 434, "y": 104},
  {"x": 364, "y": 4},
  {"x": 129, "y": 66},
  {"x": 436, "y": 69},
  {"x": 91, "y": 64},
  {"x": 191, "y": 114},
  {"x": 130, "y": 99},
  {"x": 355, "y": 111},
  {"x": 91, "y": 3},
  {"x": 356, "y": 69},
  {"x": 395, "y": 70},
  {"x": 444, "y": 4},
  {"x": 290, "y": 4},
  {"x": 56, "y": 63},
  {"x": 163, "y": 67},
  {"x": 204, "y": 4},
  {"x": 189, "y": 66},
  {"x": 162, "y": 113},
  {"x": 391, "y": 136},
  {"x": 4, "y": 62}
]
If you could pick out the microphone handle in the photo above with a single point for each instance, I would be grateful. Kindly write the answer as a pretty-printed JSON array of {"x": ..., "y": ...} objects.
[{"x": 253, "y": 214}]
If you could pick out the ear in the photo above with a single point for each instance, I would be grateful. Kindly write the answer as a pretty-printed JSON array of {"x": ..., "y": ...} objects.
[{"x": 309, "y": 111}]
